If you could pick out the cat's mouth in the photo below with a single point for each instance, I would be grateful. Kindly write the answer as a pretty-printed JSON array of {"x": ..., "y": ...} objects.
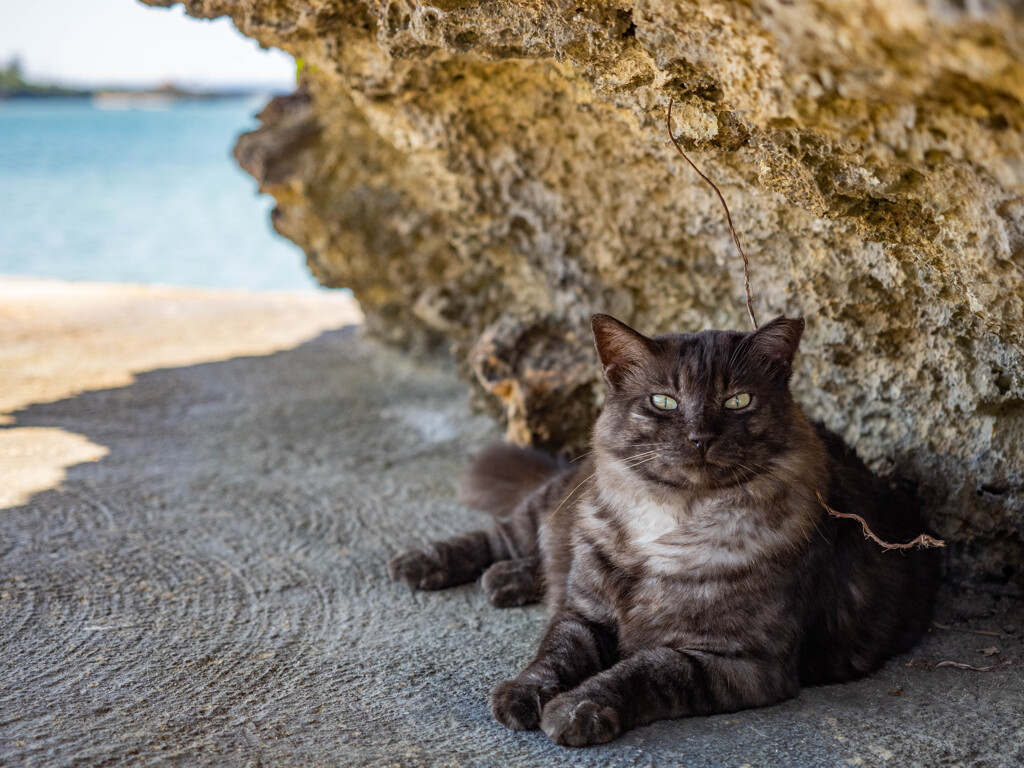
[
  {"x": 694, "y": 471},
  {"x": 700, "y": 460}
]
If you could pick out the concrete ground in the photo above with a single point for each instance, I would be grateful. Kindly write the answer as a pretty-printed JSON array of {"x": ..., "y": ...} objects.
[{"x": 209, "y": 588}]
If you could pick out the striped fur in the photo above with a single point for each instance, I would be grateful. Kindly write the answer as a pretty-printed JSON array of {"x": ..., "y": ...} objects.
[{"x": 687, "y": 565}]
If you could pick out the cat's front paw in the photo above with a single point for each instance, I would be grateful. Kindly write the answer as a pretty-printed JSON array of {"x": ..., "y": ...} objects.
[
  {"x": 574, "y": 722},
  {"x": 510, "y": 583},
  {"x": 516, "y": 705},
  {"x": 418, "y": 569}
]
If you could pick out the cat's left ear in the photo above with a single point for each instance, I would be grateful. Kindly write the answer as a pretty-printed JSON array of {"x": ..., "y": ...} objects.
[
  {"x": 776, "y": 342},
  {"x": 621, "y": 349}
]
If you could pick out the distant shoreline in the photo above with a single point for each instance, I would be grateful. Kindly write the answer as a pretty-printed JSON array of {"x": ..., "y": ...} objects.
[
  {"x": 148, "y": 94},
  {"x": 14, "y": 86}
]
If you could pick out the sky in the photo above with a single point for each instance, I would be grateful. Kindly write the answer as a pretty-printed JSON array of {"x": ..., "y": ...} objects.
[{"x": 122, "y": 42}]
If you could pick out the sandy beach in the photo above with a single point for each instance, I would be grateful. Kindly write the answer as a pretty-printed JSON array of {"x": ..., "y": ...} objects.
[{"x": 58, "y": 339}]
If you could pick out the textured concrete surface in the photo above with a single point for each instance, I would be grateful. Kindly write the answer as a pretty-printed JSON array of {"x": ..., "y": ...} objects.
[
  {"x": 213, "y": 591},
  {"x": 489, "y": 174}
]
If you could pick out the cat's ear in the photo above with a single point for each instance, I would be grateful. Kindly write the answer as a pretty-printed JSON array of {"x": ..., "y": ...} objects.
[
  {"x": 621, "y": 349},
  {"x": 776, "y": 342}
]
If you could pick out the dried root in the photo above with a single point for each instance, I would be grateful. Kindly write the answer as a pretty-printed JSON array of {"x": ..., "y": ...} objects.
[
  {"x": 923, "y": 541},
  {"x": 728, "y": 218}
]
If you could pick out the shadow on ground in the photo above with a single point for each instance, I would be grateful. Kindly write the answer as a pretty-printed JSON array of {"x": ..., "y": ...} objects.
[{"x": 214, "y": 592}]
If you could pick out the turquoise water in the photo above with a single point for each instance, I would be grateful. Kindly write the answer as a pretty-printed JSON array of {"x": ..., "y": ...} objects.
[{"x": 137, "y": 196}]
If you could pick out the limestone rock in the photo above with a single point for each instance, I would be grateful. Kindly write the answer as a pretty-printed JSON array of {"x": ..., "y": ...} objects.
[{"x": 488, "y": 175}]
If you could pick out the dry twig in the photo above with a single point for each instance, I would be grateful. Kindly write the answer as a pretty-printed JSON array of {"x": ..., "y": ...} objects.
[
  {"x": 929, "y": 665},
  {"x": 924, "y": 540},
  {"x": 1000, "y": 635},
  {"x": 728, "y": 217}
]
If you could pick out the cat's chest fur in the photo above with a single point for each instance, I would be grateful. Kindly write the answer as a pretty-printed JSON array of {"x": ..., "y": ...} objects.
[
  {"x": 662, "y": 567},
  {"x": 695, "y": 535}
]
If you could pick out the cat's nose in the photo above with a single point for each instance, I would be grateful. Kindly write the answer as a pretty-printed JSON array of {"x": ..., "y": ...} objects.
[{"x": 701, "y": 441}]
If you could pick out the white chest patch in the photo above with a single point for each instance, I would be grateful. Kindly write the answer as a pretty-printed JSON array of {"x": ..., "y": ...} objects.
[
  {"x": 692, "y": 534},
  {"x": 648, "y": 521}
]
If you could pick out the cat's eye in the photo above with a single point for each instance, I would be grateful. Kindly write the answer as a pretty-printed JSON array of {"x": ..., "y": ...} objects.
[
  {"x": 664, "y": 402},
  {"x": 736, "y": 402}
]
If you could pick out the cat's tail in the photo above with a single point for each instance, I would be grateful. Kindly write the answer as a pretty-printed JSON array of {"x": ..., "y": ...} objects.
[{"x": 503, "y": 475}]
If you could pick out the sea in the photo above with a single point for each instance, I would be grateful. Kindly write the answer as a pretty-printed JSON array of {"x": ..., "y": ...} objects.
[{"x": 134, "y": 195}]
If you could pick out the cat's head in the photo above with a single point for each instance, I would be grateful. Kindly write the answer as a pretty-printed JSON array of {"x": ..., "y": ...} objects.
[{"x": 707, "y": 409}]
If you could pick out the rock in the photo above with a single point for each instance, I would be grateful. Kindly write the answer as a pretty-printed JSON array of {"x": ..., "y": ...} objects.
[{"x": 487, "y": 175}]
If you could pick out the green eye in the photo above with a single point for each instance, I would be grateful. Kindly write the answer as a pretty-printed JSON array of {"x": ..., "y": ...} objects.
[
  {"x": 664, "y": 402},
  {"x": 736, "y": 402}
]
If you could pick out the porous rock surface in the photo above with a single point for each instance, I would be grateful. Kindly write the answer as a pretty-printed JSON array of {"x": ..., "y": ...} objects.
[{"x": 487, "y": 175}]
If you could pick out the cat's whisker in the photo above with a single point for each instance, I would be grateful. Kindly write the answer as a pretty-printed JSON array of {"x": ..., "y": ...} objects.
[
  {"x": 743, "y": 466},
  {"x": 820, "y": 532},
  {"x": 649, "y": 456},
  {"x": 643, "y": 457},
  {"x": 771, "y": 473},
  {"x": 642, "y": 461},
  {"x": 628, "y": 459},
  {"x": 659, "y": 444},
  {"x": 744, "y": 473},
  {"x": 589, "y": 477},
  {"x": 741, "y": 478},
  {"x": 734, "y": 357},
  {"x": 751, "y": 470}
]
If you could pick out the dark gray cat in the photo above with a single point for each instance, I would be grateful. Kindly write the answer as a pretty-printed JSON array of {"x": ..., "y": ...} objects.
[{"x": 688, "y": 565}]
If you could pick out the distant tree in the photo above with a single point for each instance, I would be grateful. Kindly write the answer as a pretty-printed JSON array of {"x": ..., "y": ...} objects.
[
  {"x": 13, "y": 85},
  {"x": 10, "y": 75}
]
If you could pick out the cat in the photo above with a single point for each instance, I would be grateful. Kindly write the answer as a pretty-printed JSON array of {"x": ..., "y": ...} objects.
[{"x": 688, "y": 564}]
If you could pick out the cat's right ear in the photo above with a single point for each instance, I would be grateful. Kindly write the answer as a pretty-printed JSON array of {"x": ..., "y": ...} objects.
[
  {"x": 621, "y": 349},
  {"x": 775, "y": 343}
]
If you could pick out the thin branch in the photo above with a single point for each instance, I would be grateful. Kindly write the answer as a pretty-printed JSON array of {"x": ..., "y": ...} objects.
[
  {"x": 1000, "y": 635},
  {"x": 924, "y": 540},
  {"x": 989, "y": 668},
  {"x": 728, "y": 217},
  {"x": 925, "y": 664}
]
